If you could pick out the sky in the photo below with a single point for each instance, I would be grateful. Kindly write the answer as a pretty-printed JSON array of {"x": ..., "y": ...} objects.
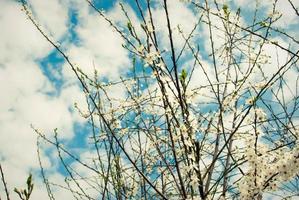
[{"x": 38, "y": 87}]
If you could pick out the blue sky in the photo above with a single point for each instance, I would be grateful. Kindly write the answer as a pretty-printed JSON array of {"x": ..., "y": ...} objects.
[{"x": 40, "y": 89}]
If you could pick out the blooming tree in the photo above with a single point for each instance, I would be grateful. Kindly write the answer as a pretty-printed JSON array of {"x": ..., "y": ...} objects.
[{"x": 208, "y": 112}]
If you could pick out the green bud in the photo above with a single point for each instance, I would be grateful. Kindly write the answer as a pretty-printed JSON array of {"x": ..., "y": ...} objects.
[{"x": 183, "y": 75}]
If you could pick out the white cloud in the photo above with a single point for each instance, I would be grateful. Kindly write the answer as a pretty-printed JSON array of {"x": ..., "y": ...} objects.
[
  {"x": 19, "y": 40},
  {"x": 100, "y": 47},
  {"x": 25, "y": 100},
  {"x": 179, "y": 14},
  {"x": 23, "y": 91},
  {"x": 288, "y": 17},
  {"x": 56, "y": 24}
]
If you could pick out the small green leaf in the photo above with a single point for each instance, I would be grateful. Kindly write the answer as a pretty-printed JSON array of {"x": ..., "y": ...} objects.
[
  {"x": 29, "y": 179},
  {"x": 16, "y": 190},
  {"x": 225, "y": 9},
  {"x": 183, "y": 75},
  {"x": 24, "y": 194},
  {"x": 134, "y": 60},
  {"x": 129, "y": 25},
  {"x": 263, "y": 24}
]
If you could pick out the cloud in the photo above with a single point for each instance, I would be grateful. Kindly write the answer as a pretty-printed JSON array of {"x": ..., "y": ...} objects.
[
  {"x": 20, "y": 40},
  {"x": 100, "y": 47},
  {"x": 179, "y": 14},
  {"x": 56, "y": 25},
  {"x": 288, "y": 17},
  {"x": 24, "y": 86},
  {"x": 27, "y": 87}
]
